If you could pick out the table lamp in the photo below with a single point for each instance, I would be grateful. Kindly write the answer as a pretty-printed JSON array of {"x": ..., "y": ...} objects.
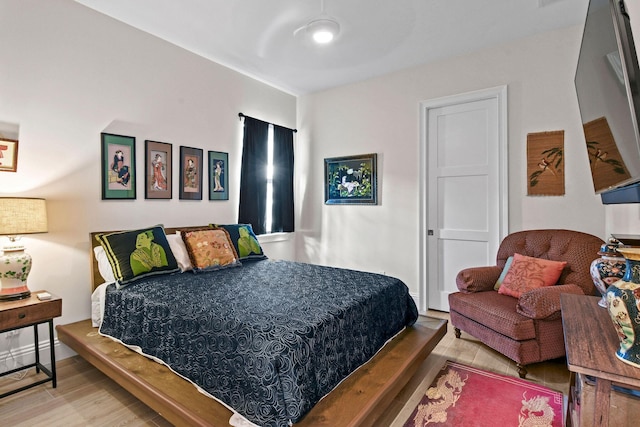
[{"x": 18, "y": 215}]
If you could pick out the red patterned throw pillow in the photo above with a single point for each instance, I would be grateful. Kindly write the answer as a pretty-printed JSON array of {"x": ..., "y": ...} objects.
[{"x": 527, "y": 273}]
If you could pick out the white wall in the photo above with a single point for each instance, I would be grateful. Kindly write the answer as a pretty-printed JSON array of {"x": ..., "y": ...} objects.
[
  {"x": 69, "y": 73},
  {"x": 382, "y": 115}
]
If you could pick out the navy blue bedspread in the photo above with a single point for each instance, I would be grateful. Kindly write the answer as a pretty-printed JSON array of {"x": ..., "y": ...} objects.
[{"x": 269, "y": 338}]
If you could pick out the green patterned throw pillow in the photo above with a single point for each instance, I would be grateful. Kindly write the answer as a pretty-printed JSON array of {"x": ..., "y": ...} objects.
[
  {"x": 135, "y": 254},
  {"x": 244, "y": 240}
]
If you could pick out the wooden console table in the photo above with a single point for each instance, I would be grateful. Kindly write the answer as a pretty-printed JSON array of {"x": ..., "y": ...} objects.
[{"x": 591, "y": 342}]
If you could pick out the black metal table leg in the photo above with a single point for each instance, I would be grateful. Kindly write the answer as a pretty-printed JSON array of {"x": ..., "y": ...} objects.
[
  {"x": 37, "y": 346},
  {"x": 50, "y": 373},
  {"x": 54, "y": 380}
]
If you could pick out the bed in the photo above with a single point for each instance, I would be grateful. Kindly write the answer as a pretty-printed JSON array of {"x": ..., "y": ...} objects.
[{"x": 276, "y": 352}]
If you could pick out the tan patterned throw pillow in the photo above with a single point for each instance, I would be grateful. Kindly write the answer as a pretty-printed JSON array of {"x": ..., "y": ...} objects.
[{"x": 210, "y": 249}]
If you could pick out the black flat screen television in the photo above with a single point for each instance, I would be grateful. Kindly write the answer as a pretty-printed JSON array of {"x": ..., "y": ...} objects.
[{"x": 608, "y": 90}]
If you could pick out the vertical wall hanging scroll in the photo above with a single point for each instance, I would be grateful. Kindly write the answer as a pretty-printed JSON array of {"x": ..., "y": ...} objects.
[{"x": 545, "y": 163}]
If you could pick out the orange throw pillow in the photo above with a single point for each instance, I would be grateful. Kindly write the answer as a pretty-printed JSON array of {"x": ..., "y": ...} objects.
[{"x": 527, "y": 273}]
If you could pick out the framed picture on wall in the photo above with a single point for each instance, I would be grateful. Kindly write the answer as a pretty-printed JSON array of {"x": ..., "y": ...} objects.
[
  {"x": 191, "y": 169},
  {"x": 157, "y": 165},
  {"x": 218, "y": 175},
  {"x": 8, "y": 155},
  {"x": 118, "y": 166},
  {"x": 351, "y": 180}
]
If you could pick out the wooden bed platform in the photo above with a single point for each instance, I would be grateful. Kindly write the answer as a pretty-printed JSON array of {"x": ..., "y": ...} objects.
[{"x": 358, "y": 401}]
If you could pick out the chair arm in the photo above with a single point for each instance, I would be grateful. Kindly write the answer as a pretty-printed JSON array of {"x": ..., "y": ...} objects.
[
  {"x": 478, "y": 279},
  {"x": 544, "y": 303}
]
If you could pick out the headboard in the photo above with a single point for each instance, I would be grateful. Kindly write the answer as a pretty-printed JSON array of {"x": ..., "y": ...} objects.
[{"x": 96, "y": 278}]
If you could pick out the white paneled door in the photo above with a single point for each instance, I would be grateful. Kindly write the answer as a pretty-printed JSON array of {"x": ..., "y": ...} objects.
[{"x": 464, "y": 206}]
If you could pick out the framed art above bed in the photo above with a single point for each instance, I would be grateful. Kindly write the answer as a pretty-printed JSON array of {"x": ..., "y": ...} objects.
[
  {"x": 191, "y": 169},
  {"x": 218, "y": 175},
  {"x": 158, "y": 176},
  {"x": 118, "y": 166}
]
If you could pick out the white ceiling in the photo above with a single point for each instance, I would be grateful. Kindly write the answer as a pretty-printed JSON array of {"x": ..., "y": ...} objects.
[{"x": 255, "y": 37}]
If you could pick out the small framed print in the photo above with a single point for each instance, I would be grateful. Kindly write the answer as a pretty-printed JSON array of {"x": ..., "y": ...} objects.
[
  {"x": 118, "y": 166},
  {"x": 190, "y": 173},
  {"x": 8, "y": 155},
  {"x": 218, "y": 173},
  {"x": 157, "y": 165}
]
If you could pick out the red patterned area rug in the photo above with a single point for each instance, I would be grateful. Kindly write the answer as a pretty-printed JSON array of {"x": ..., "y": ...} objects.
[{"x": 465, "y": 396}]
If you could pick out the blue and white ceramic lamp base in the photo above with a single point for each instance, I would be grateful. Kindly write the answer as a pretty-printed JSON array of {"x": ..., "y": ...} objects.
[{"x": 15, "y": 265}]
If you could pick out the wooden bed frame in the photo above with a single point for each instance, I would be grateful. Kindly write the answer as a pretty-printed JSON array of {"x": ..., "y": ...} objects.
[{"x": 358, "y": 401}]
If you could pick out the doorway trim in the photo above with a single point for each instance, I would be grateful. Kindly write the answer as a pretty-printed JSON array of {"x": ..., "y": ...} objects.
[{"x": 500, "y": 94}]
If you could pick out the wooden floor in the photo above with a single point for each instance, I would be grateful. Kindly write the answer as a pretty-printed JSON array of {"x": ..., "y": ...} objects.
[{"x": 86, "y": 397}]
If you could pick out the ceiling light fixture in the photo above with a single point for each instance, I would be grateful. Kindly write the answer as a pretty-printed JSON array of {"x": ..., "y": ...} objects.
[{"x": 322, "y": 29}]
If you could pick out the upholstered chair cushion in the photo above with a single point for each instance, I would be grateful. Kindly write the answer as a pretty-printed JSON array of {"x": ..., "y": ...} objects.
[
  {"x": 478, "y": 279},
  {"x": 574, "y": 247},
  {"x": 544, "y": 303},
  {"x": 496, "y": 312}
]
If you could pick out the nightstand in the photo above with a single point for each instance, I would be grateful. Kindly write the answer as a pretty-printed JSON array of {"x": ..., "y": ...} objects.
[{"x": 27, "y": 312}]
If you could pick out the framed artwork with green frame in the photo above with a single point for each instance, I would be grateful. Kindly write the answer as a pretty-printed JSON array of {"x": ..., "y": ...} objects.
[
  {"x": 118, "y": 166},
  {"x": 218, "y": 175}
]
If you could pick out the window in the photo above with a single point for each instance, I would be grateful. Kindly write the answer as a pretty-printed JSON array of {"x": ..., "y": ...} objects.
[
  {"x": 268, "y": 218},
  {"x": 266, "y": 180}
]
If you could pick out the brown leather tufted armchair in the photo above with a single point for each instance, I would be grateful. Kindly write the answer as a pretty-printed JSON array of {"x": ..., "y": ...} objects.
[{"x": 526, "y": 329}]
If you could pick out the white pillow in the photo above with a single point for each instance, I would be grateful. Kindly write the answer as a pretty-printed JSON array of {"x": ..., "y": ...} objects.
[
  {"x": 179, "y": 251},
  {"x": 97, "y": 305},
  {"x": 104, "y": 267}
]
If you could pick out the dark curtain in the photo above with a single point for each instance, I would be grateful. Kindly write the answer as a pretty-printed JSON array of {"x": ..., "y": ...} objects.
[
  {"x": 253, "y": 175},
  {"x": 282, "y": 217}
]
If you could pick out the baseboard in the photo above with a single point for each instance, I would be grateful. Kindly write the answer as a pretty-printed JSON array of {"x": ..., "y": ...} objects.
[
  {"x": 416, "y": 299},
  {"x": 26, "y": 355}
]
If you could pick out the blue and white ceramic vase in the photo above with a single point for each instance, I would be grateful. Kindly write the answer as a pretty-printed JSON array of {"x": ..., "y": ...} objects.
[
  {"x": 607, "y": 269},
  {"x": 623, "y": 302},
  {"x": 15, "y": 265}
]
